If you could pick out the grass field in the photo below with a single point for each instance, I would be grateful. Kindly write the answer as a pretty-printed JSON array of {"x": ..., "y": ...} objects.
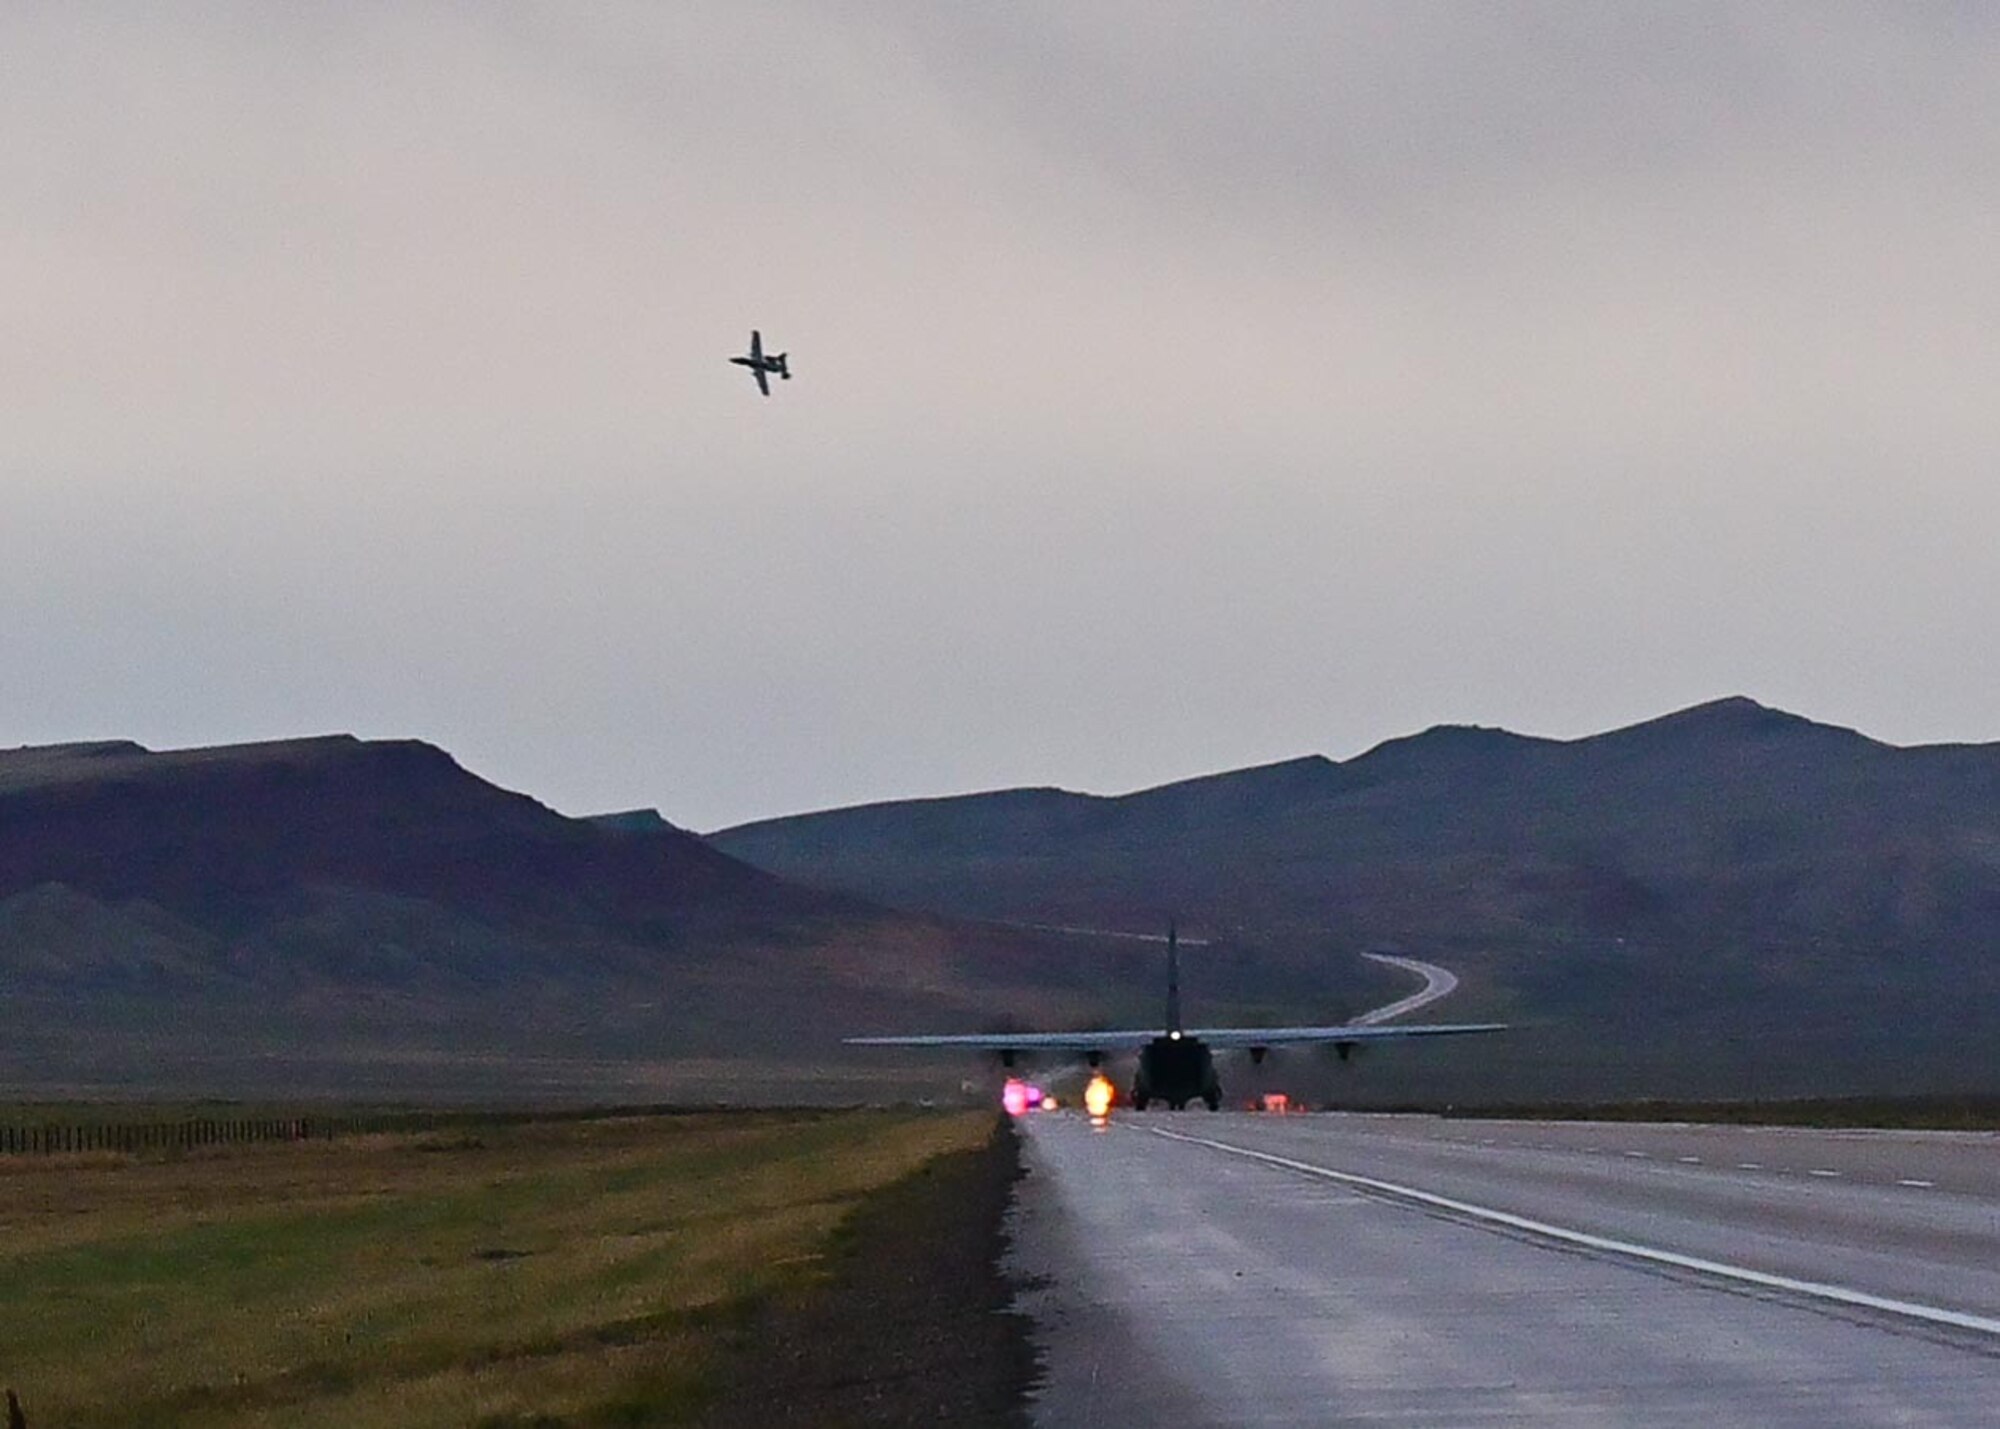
[{"x": 565, "y": 1272}]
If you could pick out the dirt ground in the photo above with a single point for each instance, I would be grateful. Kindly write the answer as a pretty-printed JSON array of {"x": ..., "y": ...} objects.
[{"x": 912, "y": 1327}]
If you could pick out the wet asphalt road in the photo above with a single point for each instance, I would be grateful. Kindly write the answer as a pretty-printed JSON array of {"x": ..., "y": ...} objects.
[{"x": 1415, "y": 1271}]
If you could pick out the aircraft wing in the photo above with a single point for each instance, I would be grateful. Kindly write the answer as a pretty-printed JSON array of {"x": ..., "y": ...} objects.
[
  {"x": 756, "y": 345},
  {"x": 1117, "y": 1041},
  {"x": 1132, "y": 1039},
  {"x": 1277, "y": 1036},
  {"x": 763, "y": 382}
]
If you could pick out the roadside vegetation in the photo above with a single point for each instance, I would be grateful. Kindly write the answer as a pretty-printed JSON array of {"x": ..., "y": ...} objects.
[{"x": 499, "y": 1273}]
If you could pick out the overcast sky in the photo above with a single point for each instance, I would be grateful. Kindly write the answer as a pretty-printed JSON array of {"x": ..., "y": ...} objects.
[{"x": 1176, "y": 387}]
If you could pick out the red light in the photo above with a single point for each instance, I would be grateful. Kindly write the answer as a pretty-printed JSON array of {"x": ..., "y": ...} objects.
[{"x": 1014, "y": 1096}]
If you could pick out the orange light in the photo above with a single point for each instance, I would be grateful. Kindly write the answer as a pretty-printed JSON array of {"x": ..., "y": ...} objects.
[
  {"x": 1051, "y": 1104},
  {"x": 1097, "y": 1097},
  {"x": 1277, "y": 1101}
]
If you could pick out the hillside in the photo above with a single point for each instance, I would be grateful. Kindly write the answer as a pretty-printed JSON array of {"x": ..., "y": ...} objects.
[
  {"x": 358, "y": 917},
  {"x": 1728, "y": 901},
  {"x": 225, "y": 835},
  {"x": 1729, "y": 898}
]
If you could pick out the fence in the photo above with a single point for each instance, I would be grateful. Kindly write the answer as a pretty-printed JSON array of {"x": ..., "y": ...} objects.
[{"x": 50, "y": 1138}]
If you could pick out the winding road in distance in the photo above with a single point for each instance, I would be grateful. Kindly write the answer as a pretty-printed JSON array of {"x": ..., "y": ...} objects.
[{"x": 1437, "y": 983}]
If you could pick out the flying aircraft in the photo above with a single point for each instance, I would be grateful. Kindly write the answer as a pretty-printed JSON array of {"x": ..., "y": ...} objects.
[
  {"x": 761, "y": 366},
  {"x": 1176, "y": 1063}
]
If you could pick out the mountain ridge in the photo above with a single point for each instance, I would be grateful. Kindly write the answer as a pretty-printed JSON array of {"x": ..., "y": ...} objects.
[
  {"x": 333, "y": 912},
  {"x": 1732, "y": 715},
  {"x": 200, "y": 829},
  {"x": 1729, "y": 900},
  {"x": 1728, "y": 858}
]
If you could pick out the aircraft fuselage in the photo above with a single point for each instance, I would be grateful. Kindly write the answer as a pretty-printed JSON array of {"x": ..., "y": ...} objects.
[
  {"x": 1176, "y": 1069},
  {"x": 761, "y": 367}
]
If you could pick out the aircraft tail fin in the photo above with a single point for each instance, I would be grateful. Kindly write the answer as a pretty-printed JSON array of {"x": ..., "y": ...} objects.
[
  {"x": 783, "y": 371},
  {"x": 1173, "y": 980}
]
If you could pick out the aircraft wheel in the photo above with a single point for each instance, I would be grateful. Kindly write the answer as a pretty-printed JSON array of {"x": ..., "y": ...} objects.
[
  {"x": 1177, "y": 1104},
  {"x": 1139, "y": 1100},
  {"x": 1213, "y": 1101}
]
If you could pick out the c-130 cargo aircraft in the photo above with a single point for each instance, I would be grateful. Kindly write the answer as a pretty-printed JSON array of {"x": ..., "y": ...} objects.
[{"x": 1176, "y": 1063}]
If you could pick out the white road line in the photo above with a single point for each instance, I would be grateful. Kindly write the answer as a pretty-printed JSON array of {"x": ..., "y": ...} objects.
[
  {"x": 1749, "y": 1166},
  {"x": 1689, "y": 1160},
  {"x": 1640, "y": 1155},
  {"x": 1829, "y": 1174},
  {"x": 1837, "y": 1294},
  {"x": 1920, "y": 1185}
]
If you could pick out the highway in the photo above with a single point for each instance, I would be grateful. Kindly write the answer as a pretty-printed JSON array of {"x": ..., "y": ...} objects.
[
  {"x": 1438, "y": 982},
  {"x": 1201, "y": 1269}
]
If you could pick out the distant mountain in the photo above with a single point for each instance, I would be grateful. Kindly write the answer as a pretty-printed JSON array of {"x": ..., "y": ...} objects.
[
  {"x": 1727, "y": 894},
  {"x": 352, "y": 916},
  {"x": 1730, "y": 900},
  {"x": 225, "y": 835}
]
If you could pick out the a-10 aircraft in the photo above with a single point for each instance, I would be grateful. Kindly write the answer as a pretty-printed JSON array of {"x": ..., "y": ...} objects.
[
  {"x": 761, "y": 366},
  {"x": 1176, "y": 1063}
]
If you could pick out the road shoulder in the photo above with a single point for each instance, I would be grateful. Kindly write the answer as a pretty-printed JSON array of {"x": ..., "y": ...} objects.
[{"x": 913, "y": 1326}]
